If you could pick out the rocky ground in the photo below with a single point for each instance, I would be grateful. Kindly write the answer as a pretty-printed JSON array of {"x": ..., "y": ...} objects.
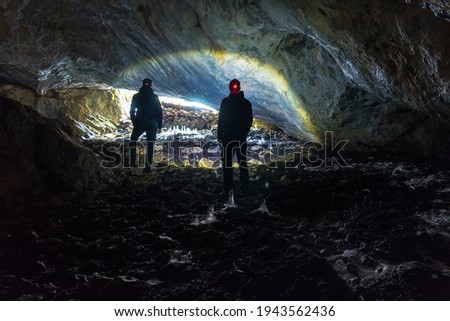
[
  {"x": 189, "y": 117},
  {"x": 376, "y": 230}
]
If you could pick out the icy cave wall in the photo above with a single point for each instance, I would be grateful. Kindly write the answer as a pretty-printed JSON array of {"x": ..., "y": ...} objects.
[{"x": 374, "y": 72}]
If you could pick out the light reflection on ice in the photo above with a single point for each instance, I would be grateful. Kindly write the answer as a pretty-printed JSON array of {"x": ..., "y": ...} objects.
[
  {"x": 179, "y": 257},
  {"x": 209, "y": 219},
  {"x": 210, "y": 216},
  {"x": 262, "y": 209},
  {"x": 230, "y": 203},
  {"x": 183, "y": 131}
]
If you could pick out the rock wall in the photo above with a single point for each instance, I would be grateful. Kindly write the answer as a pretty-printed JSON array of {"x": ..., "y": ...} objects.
[
  {"x": 368, "y": 70},
  {"x": 87, "y": 111},
  {"x": 38, "y": 155}
]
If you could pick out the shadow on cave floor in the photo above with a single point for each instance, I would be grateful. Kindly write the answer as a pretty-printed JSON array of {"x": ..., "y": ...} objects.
[{"x": 376, "y": 230}]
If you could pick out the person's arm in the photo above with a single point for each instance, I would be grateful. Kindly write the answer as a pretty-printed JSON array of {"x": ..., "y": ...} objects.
[
  {"x": 248, "y": 120},
  {"x": 133, "y": 109},
  {"x": 159, "y": 113},
  {"x": 220, "y": 124},
  {"x": 250, "y": 117}
]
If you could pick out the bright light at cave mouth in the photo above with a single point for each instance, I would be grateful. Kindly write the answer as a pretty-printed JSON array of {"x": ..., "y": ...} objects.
[
  {"x": 186, "y": 103},
  {"x": 124, "y": 97}
]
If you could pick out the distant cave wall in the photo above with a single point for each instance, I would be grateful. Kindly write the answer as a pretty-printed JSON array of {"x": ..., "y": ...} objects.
[{"x": 371, "y": 71}]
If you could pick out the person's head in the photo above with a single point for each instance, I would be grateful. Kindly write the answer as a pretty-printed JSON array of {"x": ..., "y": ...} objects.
[
  {"x": 147, "y": 82},
  {"x": 235, "y": 86}
]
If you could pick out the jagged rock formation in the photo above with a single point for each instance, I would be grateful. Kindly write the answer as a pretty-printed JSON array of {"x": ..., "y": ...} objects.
[{"x": 374, "y": 72}]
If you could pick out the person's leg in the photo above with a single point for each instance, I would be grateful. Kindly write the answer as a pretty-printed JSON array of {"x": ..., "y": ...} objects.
[
  {"x": 227, "y": 164},
  {"x": 151, "y": 130},
  {"x": 137, "y": 132},
  {"x": 242, "y": 161}
]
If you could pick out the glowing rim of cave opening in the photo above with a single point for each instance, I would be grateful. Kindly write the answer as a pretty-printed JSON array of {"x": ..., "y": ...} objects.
[
  {"x": 125, "y": 95},
  {"x": 244, "y": 67},
  {"x": 186, "y": 103}
]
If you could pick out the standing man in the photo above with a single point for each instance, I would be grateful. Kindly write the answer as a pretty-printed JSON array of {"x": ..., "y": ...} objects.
[
  {"x": 235, "y": 120},
  {"x": 146, "y": 115}
]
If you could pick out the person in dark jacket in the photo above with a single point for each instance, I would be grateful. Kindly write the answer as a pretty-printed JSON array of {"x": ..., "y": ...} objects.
[
  {"x": 146, "y": 115},
  {"x": 235, "y": 121}
]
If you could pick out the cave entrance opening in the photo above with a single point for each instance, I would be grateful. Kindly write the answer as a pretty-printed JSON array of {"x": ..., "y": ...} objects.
[{"x": 188, "y": 137}]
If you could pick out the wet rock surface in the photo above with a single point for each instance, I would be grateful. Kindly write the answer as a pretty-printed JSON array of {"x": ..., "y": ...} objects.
[{"x": 376, "y": 230}]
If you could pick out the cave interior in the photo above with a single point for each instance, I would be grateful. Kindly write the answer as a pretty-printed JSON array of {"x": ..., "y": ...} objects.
[{"x": 348, "y": 154}]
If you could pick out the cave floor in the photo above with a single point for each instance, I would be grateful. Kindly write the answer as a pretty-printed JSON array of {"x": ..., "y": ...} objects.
[{"x": 376, "y": 230}]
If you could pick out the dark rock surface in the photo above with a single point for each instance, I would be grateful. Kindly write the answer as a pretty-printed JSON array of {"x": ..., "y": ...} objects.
[
  {"x": 377, "y": 230},
  {"x": 371, "y": 71}
]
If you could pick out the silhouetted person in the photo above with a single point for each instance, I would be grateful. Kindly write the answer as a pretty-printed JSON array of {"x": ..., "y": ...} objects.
[
  {"x": 146, "y": 115},
  {"x": 235, "y": 121}
]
